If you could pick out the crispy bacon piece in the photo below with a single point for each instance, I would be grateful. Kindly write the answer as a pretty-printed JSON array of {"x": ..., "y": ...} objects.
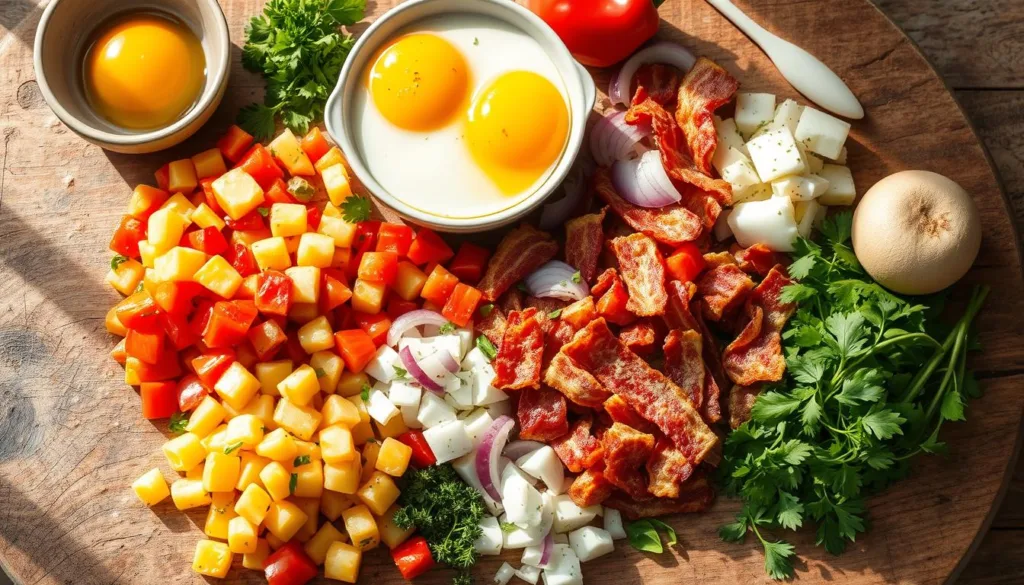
[
  {"x": 647, "y": 390},
  {"x": 671, "y": 224},
  {"x": 512, "y": 300},
  {"x": 703, "y": 205},
  {"x": 723, "y": 289},
  {"x": 695, "y": 495},
  {"x": 757, "y": 259},
  {"x": 570, "y": 319},
  {"x": 705, "y": 88},
  {"x": 584, "y": 238},
  {"x": 626, "y": 450},
  {"x": 580, "y": 313},
  {"x": 614, "y": 302},
  {"x": 678, "y": 314},
  {"x": 711, "y": 409},
  {"x": 542, "y": 415},
  {"x": 574, "y": 382},
  {"x": 741, "y": 401},
  {"x": 659, "y": 81},
  {"x": 641, "y": 337},
  {"x": 667, "y": 468},
  {"x": 604, "y": 282},
  {"x": 578, "y": 449},
  {"x": 621, "y": 412},
  {"x": 714, "y": 259},
  {"x": 683, "y": 364},
  {"x": 756, "y": 355},
  {"x": 519, "y": 358},
  {"x": 545, "y": 307},
  {"x": 643, "y": 271},
  {"x": 681, "y": 316},
  {"x": 520, "y": 252},
  {"x": 590, "y": 488},
  {"x": 492, "y": 326}
]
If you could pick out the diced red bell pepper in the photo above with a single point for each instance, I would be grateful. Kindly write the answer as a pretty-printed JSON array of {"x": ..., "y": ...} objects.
[
  {"x": 166, "y": 368},
  {"x": 266, "y": 338},
  {"x": 422, "y": 454},
  {"x": 191, "y": 392},
  {"x": 234, "y": 143},
  {"x": 397, "y": 306},
  {"x": 364, "y": 241},
  {"x": 469, "y": 262},
  {"x": 356, "y": 347},
  {"x": 211, "y": 199},
  {"x": 439, "y": 286},
  {"x": 379, "y": 267},
  {"x": 413, "y": 557},
  {"x": 127, "y": 237},
  {"x": 273, "y": 293},
  {"x": 259, "y": 164},
  {"x": 429, "y": 247},
  {"x": 393, "y": 237},
  {"x": 229, "y": 323},
  {"x": 208, "y": 240},
  {"x": 278, "y": 193},
  {"x": 201, "y": 316},
  {"x": 314, "y": 144},
  {"x": 176, "y": 298},
  {"x": 289, "y": 565},
  {"x": 376, "y": 326},
  {"x": 334, "y": 294},
  {"x": 159, "y": 399},
  {"x": 344, "y": 318},
  {"x": 686, "y": 263},
  {"x": 138, "y": 312},
  {"x": 249, "y": 222},
  {"x": 241, "y": 259},
  {"x": 163, "y": 176},
  {"x": 210, "y": 366},
  {"x": 313, "y": 217},
  {"x": 178, "y": 331},
  {"x": 612, "y": 304},
  {"x": 147, "y": 347},
  {"x": 461, "y": 304}
]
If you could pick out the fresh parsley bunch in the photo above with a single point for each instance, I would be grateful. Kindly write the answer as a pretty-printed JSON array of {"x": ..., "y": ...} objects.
[
  {"x": 870, "y": 380},
  {"x": 298, "y": 47}
]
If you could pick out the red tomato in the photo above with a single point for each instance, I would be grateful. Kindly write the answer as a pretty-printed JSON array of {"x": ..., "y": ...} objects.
[
  {"x": 147, "y": 347},
  {"x": 211, "y": 365},
  {"x": 159, "y": 399},
  {"x": 429, "y": 247},
  {"x": 413, "y": 557},
  {"x": 241, "y": 259},
  {"x": 422, "y": 454},
  {"x": 208, "y": 240},
  {"x": 190, "y": 392},
  {"x": 278, "y": 193},
  {"x": 686, "y": 263},
  {"x": 266, "y": 338},
  {"x": 600, "y": 33},
  {"x": 313, "y": 217},
  {"x": 273, "y": 293},
  {"x": 234, "y": 142},
  {"x": 381, "y": 267},
  {"x": 461, "y": 304},
  {"x": 138, "y": 312},
  {"x": 376, "y": 326},
  {"x": 289, "y": 565},
  {"x": 355, "y": 347},
  {"x": 469, "y": 263},
  {"x": 127, "y": 237},
  {"x": 439, "y": 286},
  {"x": 314, "y": 144},
  {"x": 395, "y": 238},
  {"x": 178, "y": 331},
  {"x": 365, "y": 240},
  {"x": 229, "y": 323},
  {"x": 259, "y": 164}
]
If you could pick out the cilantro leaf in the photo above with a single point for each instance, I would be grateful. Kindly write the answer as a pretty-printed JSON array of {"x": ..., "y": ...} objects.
[
  {"x": 777, "y": 559},
  {"x": 258, "y": 120},
  {"x": 117, "y": 261},
  {"x": 178, "y": 423},
  {"x": 447, "y": 329},
  {"x": 301, "y": 460},
  {"x": 355, "y": 209},
  {"x": 883, "y": 424},
  {"x": 555, "y": 314}
]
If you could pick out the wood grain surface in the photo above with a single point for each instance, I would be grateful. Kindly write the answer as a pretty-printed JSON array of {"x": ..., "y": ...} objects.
[{"x": 71, "y": 439}]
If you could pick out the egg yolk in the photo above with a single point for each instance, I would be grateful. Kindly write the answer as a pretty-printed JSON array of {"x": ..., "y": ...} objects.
[
  {"x": 517, "y": 128},
  {"x": 419, "y": 81},
  {"x": 144, "y": 71}
]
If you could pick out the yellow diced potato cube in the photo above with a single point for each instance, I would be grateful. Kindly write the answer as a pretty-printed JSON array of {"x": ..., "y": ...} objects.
[
  {"x": 144, "y": 198},
  {"x": 237, "y": 386},
  {"x": 361, "y": 527},
  {"x": 178, "y": 264},
  {"x": 148, "y": 253},
  {"x": 409, "y": 281},
  {"x": 317, "y": 546},
  {"x": 197, "y": 471},
  {"x": 390, "y": 534},
  {"x": 328, "y": 368},
  {"x": 185, "y": 451},
  {"x": 252, "y": 465},
  {"x": 189, "y": 493},
  {"x": 205, "y": 417},
  {"x": 219, "y": 276},
  {"x": 253, "y": 504},
  {"x": 339, "y": 230},
  {"x": 277, "y": 480},
  {"x": 270, "y": 375},
  {"x": 351, "y": 384},
  {"x": 127, "y": 276},
  {"x": 237, "y": 193},
  {"x": 221, "y": 472},
  {"x": 332, "y": 504},
  {"x": 300, "y": 386},
  {"x": 339, "y": 411},
  {"x": 394, "y": 457},
  {"x": 215, "y": 440},
  {"x": 336, "y": 444},
  {"x": 309, "y": 482},
  {"x": 371, "y": 451},
  {"x": 393, "y": 428},
  {"x": 222, "y": 510},
  {"x": 245, "y": 430},
  {"x": 311, "y": 508},
  {"x": 316, "y": 335},
  {"x": 315, "y": 250},
  {"x": 151, "y": 487},
  {"x": 303, "y": 312},
  {"x": 287, "y": 219},
  {"x": 181, "y": 176},
  {"x": 284, "y": 519},
  {"x": 301, "y": 421},
  {"x": 256, "y": 560},
  {"x": 305, "y": 283},
  {"x": 368, "y": 297},
  {"x": 241, "y": 536},
  {"x": 286, "y": 149},
  {"x": 342, "y": 258},
  {"x": 308, "y": 449},
  {"x": 333, "y": 157},
  {"x": 262, "y": 407},
  {"x": 343, "y": 478},
  {"x": 336, "y": 183},
  {"x": 360, "y": 404},
  {"x": 342, "y": 562},
  {"x": 271, "y": 254},
  {"x": 379, "y": 492},
  {"x": 180, "y": 203},
  {"x": 209, "y": 163},
  {"x": 212, "y": 559},
  {"x": 362, "y": 433},
  {"x": 204, "y": 216},
  {"x": 278, "y": 445}
]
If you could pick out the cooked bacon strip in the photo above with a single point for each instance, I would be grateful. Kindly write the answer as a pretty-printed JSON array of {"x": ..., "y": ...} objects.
[
  {"x": 492, "y": 326},
  {"x": 584, "y": 238},
  {"x": 695, "y": 495},
  {"x": 643, "y": 272},
  {"x": 578, "y": 449},
  {"x": 574, "y": 382},
  {"x": 641, "y": 337},
  {"x": 756, "y": 355},
  {"x": 741, "y": 401},
  {"x": 590, "y": 488},
  {"x": 520, "y": 356},
  {"x": 604, "y": 282},
  {"x": 683, "y": 364},
  {"x": 580, "y": 313},
  {"x": 703, "y": 204},
  {"x": 671, "y": 224},
  {"x": 520, "y": 252},
  {"x": 512, "y": 300},
  {"x": 723, "y": 289},
  {"x": 712, "y": 351},
  {"x": 715, "y": 259},
  {"x": 542, "y": 415},
  {"x": 614, "y": 302},
  {"x": 626, "y": 450},
  {"x": 711, "y": 409},
  {"x": 647, "y": 390},
  {"x": 667, "y": 468},
  {"x": 705, "y": 88},
  {"x": 545, "y": 305},
  {"x": 678, "y": 314},
  {"x": 660, "y": 81},
  {"x": 620, "y": 411},
  {"x": 757, "y": 259}
]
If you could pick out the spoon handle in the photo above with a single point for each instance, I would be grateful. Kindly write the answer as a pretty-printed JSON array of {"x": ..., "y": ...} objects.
[{"x": 805, "y": 72}]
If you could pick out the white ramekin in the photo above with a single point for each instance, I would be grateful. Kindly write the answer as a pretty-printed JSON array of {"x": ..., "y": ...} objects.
[{"x": 578, "y": 83}]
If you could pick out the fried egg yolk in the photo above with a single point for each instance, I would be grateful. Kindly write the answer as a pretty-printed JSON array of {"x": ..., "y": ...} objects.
[
  {"x": 516, "y": 128},
  {"x": 144, "y": 71},
  {"x": 419, "y": 82}
]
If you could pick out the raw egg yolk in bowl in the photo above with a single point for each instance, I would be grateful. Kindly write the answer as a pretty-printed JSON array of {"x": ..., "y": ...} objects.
[{"x": 143, "y": 70}]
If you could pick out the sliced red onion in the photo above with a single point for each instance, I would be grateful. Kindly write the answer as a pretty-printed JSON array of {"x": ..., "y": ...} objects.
[
  {"x": 556, "y": 213},
  {"x": 433, "y": 366},
  {"x": 663, "y": 52},
  {"x": 545, "y": 549},
  {"x": 417, "y": 373},
  {"x": 410, "y": 320},
  {"x": 555, "y": 280},
  {"x": 517, "y": 449},
  {"x": 489, "y": 453},
  {"x": 613, "y": 139},
  {"x": 448, "y": 361},
  {"x": 644, "y": 181}
]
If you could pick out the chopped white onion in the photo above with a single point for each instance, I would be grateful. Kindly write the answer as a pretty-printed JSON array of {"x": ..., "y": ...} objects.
[
  {"x": 555, "y": 280},
  {"x": 612, "y": 138},
  {"x": 504, "y": 574},
  {"x": 517, "y": 449},
  {"x": 644, "y": 182},
  {"x": 661, "y": 52},
  {"x": 410, "y": 320}
]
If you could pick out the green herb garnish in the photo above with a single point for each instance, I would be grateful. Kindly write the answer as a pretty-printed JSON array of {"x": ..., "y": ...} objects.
[
  {"x": 486, "y": 347},
  {"x": 301, "y": 189},
  {"x": 555, "y": 314},
  {"x": 293, "y": 482},
  {"x": 643, "y": 535},
  {"x": 486, "y": 310},
  {"x": 577, "y": 277},
  {"x": 263, "y": 211},
  {"x": 400, "y": 372},
  {"x": 508, "y": 527},
  {"x": 364, "y": 393},
  {"x": 232, "y": 447},
  {"x": 117, "y": 261},
  {"x": 447, "y": 329},
  {"x": 178, "y": 423},
  {"x": 300, "y": 461},
  {"x": 320, "y": 373},
  {"x": 355, "y": 209}
]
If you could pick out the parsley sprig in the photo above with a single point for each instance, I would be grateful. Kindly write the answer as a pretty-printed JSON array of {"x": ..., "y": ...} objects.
[
  {"x": 355, "y": 209},
  {"x": 855, "y": 406}
]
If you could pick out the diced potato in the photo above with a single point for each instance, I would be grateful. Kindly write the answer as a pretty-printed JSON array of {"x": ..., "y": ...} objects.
[
  {"x": 362, "y": 433},
  {"x": 284, "y": 519},
  {"x": 287, "y": 219},
  {"x": 277, "y": 480},
  {"x": 209, "y": 163},
  {"x": 262, "y": 407},
  {"x": 242, "y": 536},
  {"x": 271, "y": 254},
  {"x": 339, "y": 411},
  {"x": 286, "y": 149},
  {"x": 237, "y": 386},
  {"x": 301, "y": 421},
  {"x": 237, "y": 193},
  {"x": 390, "y": 534},
  {"x": 332, "y": 504},
  {"x": 343, "y": 478},
  {"x": 270, "y": 374},
  {"x": 222, "y": 510},
  {"x": 336, "y": 445},
  {"x": 378, "y": 493},
  {"x": 317, "y": 546},
  {"x": 316, "y": 335},
  {"x": 351, "y": 384},
  {"x": 342, "y": 562},
  {"x": 245, "y": 430},
  {"x": 204, "y": 216},
  {"x": 221, "y": 472},
  {"x": 182, "y": 204},
  {"x": 368, "y": 297},
  {"x": 309, "y": 482},
  {"x": 311, "y": 508},
  {"x": 219, "y": 276},
  {"x": 315, "y": 250},
  {"x": 341, "y": 231},
  {"x": 361, "y": 527},
  {"x": 841, "y": 189},
  {"x": 181, "y": 176},
  {"x": 256, "y": 560},
  {"x": 184, "y": 452},
  {"x": 205, "y": 417},
  {"x": 164, "y": 229},
  {"x": 336, "y": 183},
  {"x": 305, "y": 283},
  {"x": 148, "y": 253},
  {"x": 144, "y": 200},
  {"x": 215, "y": 440},
  {"x": 303, "y": 312},
  {"x": 273, "y": 541},
  {"x": 178, "y": 264},
  {"x": 333, "y": 157},
  {"x": 753, "y": 110},
  {"x": 409, "y": 282},
  {"x": 370, "y": 452},
  {"x": 278, "y": 445},
  {"x": 196, "y": 472},
  {"x": 151, "y": 487},
  {"x": 309, "y": 449},
  {"x": 189, "y": 493},
  {"x": 394, "y": 427},
  {"x": 212, "y": 559},
  {"x": 300, "y": 386},
  {"x": 342, "y": 258},
  {"x": 127, "y": 276},
  {"x": 394, "y": 457},
  {"x": 328, "y": 368},
  {"x": 252, "y": 465}
]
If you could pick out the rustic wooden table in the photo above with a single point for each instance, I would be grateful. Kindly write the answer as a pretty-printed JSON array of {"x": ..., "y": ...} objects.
[{"x": 978, "y": 47}]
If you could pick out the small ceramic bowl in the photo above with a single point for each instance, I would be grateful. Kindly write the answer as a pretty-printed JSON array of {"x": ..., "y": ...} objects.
[
  {"x": 65, "y": 28},
  {"x": 578, "y": 83}
]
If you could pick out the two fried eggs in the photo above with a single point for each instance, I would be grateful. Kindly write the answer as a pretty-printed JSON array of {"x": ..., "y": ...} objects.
[{"x": 461, "y": 116}]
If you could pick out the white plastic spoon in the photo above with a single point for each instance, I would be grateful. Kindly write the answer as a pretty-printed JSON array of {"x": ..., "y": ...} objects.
[{"x": 803, "y": 70}]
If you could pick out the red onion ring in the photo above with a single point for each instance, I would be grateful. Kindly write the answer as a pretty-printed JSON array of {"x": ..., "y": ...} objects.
[
  {"x": 545, "y": 549},
  {"x": 448, "y": 361},
  {"x": 662, "y": 52},
  {"x": 417, "y": 372},
  {"x": 644, "y": 182},
  {"x": 410, "y": 320},
  {"x": 613, "y": 139},
  {"x": 555, "y": 280},
  {"x": 489, "y": 452},
  {"x": 517, "y": 449}
]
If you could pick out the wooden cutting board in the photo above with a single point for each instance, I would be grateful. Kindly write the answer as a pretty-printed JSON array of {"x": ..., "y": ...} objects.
[{"x": 72, "y": 440}]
